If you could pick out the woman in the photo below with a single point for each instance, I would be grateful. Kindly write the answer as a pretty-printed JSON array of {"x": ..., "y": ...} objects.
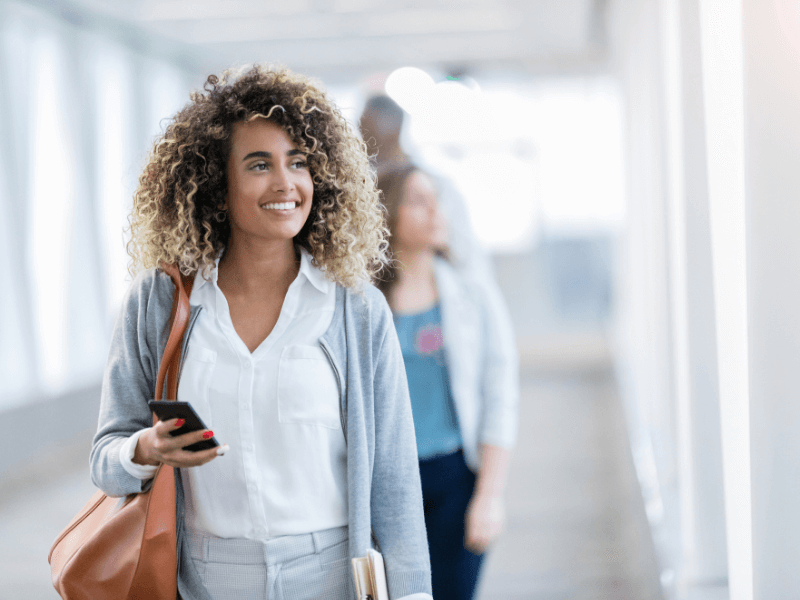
[
  {"x": 462, "y": 374},
  {"x": 260, "y": 189}
]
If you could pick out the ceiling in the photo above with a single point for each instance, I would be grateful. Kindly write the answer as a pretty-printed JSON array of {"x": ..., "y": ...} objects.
[{"x": 343, "y": 39}]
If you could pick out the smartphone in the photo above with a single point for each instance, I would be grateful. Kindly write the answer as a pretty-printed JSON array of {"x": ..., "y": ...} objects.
[{"x": 169, "y": 409}]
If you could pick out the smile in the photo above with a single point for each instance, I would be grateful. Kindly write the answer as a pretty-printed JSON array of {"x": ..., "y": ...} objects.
[{"x": 280, "y": 205}]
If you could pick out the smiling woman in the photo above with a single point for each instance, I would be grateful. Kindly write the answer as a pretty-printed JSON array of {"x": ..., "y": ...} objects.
[
  {"x": 260, "y": 192},
  {"x": 189, "y": 165},
  {"x": 269, "y": 185}
]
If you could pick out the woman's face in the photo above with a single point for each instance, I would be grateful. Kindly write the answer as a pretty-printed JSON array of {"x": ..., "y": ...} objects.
[
  {"x": 420, "y": 224},
  {"x": 269, "y": 183}
]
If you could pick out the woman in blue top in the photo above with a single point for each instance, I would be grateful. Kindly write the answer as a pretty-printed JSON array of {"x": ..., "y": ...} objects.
[{"x": 461, "y": 366}]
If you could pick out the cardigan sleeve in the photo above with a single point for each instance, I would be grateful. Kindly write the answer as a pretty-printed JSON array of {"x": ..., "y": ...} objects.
[
  {"x": 128, "y": 384},
  {"x": 500, "y": 377},
  {"x": 398, "y": 520}
]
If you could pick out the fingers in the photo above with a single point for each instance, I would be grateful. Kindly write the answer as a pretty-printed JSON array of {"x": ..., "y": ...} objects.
[
  {"x": 169, "y": 449},
  {"x": 184, "y": 459},
  {"x": 163, "y": 428},
  {"x": 476, "y": 539},
  {"x": 483, "y": 523},
  {"x": 187, "y": 439}
]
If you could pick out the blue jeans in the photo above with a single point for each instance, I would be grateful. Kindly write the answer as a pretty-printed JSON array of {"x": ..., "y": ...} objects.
[{"x": 447, "y": 486}]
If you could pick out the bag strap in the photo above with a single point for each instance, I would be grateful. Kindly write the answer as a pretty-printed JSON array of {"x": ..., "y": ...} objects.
[{"x": 179, "y": 320}]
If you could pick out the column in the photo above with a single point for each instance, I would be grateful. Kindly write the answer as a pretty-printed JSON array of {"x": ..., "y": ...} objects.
[
  {"x": 721, "y": 24},
  {"x": 643, "y": 348},
  {"x": 771, "y": 35},
  {"x": 702, "y": 510}
]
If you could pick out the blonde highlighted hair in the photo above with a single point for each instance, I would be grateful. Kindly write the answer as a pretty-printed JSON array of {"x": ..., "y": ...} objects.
[{"x": 177, "y": 216}]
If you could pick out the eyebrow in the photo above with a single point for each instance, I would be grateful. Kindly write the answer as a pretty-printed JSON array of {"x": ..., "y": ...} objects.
[{"x": 262, "y": 154}]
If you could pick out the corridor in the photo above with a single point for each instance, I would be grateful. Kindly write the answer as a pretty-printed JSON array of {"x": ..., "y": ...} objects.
[{"x": 575, "y": 529}]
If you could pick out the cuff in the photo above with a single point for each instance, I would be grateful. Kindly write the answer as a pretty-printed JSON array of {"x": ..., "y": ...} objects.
[
  {"x": 143, "y": 472},
  {"x": 406, "y": 585}
]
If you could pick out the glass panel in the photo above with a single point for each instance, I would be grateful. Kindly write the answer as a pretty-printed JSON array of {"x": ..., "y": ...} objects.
[
  {"x": 52, "y": 195},
  {"x": 117, "y": 169}
]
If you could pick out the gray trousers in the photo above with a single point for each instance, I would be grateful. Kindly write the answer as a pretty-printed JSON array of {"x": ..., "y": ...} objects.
[{"x": 311, "y": 566}]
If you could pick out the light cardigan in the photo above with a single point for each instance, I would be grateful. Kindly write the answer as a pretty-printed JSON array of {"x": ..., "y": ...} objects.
[
  {"x": 282, "y": 400},
  {"x": 481, "y": 358},
  {"x": 384, "y": 494}
]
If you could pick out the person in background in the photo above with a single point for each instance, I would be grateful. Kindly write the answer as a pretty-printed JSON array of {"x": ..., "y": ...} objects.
[
  {"x": 381, "y": 125},
  {"x": 462, "y": 371},
  {"x": 262, "y": 192}
]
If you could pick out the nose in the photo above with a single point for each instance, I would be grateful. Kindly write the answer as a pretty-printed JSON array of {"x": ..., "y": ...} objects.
[{"x": 281, "y": 181}]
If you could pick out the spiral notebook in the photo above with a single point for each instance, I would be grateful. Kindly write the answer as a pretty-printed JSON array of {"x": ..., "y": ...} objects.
[{"x": 369, "y": 575}]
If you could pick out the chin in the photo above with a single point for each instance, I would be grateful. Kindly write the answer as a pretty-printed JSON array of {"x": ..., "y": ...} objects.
[
  {"x": 440, "y": 245},
  {"x": 287, "y": 230}
]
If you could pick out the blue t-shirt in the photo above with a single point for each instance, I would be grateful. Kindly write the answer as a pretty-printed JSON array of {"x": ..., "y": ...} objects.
[{"x": 435, "y": 420}]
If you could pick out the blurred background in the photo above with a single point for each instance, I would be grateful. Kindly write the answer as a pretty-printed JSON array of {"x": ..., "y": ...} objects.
[{"x": 632, "y": 168}]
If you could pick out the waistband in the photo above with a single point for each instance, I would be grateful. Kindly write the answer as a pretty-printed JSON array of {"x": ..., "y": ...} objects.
[
  {"x": 442, "y": 457},
  {"x": 209, "y": 548}
]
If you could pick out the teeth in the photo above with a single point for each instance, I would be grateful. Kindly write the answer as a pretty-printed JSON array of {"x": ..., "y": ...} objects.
[{"x": 279, "y": 206}]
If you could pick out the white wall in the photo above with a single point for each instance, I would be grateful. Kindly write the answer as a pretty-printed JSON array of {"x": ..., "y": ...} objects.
[
  {"x": 703, "y": 561},
  {"x": 714, "y": 149},
  {"x": 771, "y": 33}
]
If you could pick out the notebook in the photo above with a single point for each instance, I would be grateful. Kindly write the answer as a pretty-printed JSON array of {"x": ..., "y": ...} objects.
[{"x": 369, "y": 575}]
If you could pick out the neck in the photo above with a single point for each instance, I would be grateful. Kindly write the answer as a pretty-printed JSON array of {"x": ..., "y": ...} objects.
[
  {"x": 415, "y": 286},
  {"x": 257, "y": 268},
  {"x": 416, "y": 266}
]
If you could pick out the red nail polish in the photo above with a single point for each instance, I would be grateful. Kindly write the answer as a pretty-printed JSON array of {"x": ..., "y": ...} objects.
[
  {"x": 180, "y": 422},
  {"x": 208, "y": 434}
]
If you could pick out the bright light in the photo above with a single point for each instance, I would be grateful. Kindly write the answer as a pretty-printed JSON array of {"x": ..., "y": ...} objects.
[
  {"x": 115, "y": 177},
  {"x": 723, "y": 80},
  {"x": 410, "y": 88},
  {"x": 526, "y": 158},
  {"x": 581, "y": 158},
  {"x": 498, "y": 191},
  {"x": 52, "y": 184}
]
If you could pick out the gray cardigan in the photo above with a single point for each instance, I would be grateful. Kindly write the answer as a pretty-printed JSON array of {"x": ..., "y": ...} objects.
[{"x": 384, "y": 494}]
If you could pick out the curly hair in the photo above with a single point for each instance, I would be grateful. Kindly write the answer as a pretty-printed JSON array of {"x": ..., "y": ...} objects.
[{"x": 177, "y": 216}]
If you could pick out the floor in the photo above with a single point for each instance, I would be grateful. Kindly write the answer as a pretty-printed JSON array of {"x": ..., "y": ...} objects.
[{"x": 576, "y": 528}]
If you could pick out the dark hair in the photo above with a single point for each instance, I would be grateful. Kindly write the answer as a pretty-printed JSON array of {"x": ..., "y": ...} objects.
[
  {"x": 389, "y": 112},
  {"x": 393, "y": 189}
]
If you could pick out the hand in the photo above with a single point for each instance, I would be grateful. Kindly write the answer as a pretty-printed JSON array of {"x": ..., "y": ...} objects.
[
  {"x": 156, "y": 446},
  {"x": 484, "y": 520}
]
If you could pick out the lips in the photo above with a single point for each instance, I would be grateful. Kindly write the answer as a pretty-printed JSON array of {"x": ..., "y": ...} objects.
[{"x": 280, "y": 205}]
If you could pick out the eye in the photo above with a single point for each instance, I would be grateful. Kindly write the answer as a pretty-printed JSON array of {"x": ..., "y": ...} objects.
[
  {"x": 300, "y": 164},
  {"x": 259, "y": 166}
]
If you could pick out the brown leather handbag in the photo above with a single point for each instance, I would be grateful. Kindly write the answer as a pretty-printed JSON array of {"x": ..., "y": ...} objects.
[{"x": 126, "y": 548}]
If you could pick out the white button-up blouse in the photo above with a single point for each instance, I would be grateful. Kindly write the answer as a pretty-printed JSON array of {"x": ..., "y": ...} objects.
[{"x": 277, "y": 409}]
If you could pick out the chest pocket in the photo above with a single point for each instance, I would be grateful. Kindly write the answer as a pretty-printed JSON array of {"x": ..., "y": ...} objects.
[
  {"x": 196, "y": 372},
  {"x": 307, "y": 389}
]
